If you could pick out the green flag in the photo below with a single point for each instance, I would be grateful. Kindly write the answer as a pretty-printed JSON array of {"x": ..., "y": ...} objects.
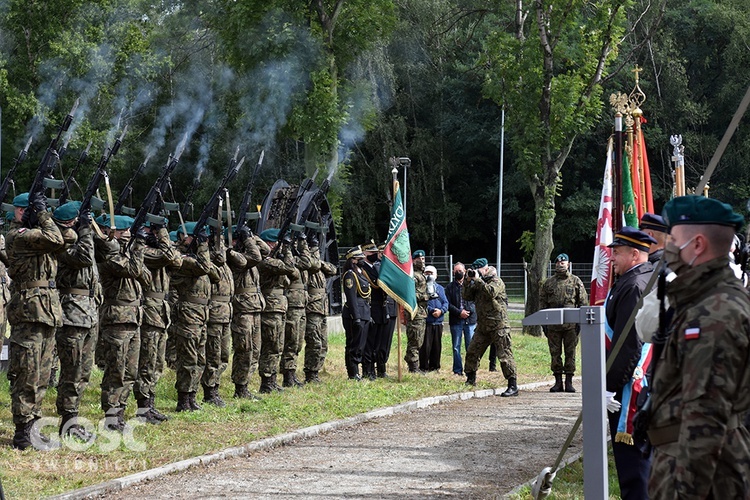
[
  {"x": 629, "y": 211},
  {"x": 396, "y": 272}
]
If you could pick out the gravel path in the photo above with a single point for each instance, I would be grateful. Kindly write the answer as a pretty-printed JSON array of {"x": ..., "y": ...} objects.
[{"x": 475, "y": 448}]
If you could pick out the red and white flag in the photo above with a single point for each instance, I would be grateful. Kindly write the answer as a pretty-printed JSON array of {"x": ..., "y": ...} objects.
[{"x": 602, "y": 271}]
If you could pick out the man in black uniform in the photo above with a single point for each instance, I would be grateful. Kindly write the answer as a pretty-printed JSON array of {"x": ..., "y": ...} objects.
[
  {"x": 654, "y": 226},
  {"x": 356, "y": 312},
  {"x": 633, "y": 270}
]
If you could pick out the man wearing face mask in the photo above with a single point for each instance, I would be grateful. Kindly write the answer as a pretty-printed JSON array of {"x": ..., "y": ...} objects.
[
  {"x": 633, "y": 270},
  {"x": 437, "y": 306},
  {"x": 701, "y": 387},
  {"x": 415, "y": 327},
  {"x": 563, "y": 289},
  {"x": 462, "y": 318}
]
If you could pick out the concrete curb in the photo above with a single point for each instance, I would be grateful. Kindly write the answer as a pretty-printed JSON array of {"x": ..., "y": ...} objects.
[{"x": 115, "y": 485}]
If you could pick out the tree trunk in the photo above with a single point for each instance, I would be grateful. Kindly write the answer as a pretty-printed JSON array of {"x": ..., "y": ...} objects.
[{"x": 544, "y": 208}]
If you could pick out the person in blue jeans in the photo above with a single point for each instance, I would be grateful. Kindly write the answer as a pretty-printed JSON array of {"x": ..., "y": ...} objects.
[{"x": 462, "y": 317}]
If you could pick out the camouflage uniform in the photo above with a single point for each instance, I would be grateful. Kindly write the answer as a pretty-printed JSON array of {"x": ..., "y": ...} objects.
[
  {"x": 273, "y": 280},
  {"x": 294, "y": 325},
  {"x": 122, "y": 276},
  {"x": 492, "y": 325},
  {"x": 248, "y": 303},
  {"x": 562, "y": 290},
  {"x": 34, "y": 313},
  {"x": 217, "y": 329},
  {"x": 415, "y": 327},
  {"x": 77, "y": 281},
  {"x": 701, "y": 389},
  {"x": 191, "y": 314},
  {"x": 4, "y": 291},
  {"x": 316, "y": 328},
  {"x": 159, "y": 260}
]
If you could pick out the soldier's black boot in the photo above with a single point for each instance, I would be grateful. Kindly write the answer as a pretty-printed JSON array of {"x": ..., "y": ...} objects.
[
  {"x": 295, "y": 381},
  {"x": 192, "y": 402},
  {"x": 69, "y": 427},
  {"x": 241, "y": 392},
  {"x": 114, "y": 420},
  {"x": 22, "y": 437},
  {"x": 311, "y": 377},
  {"x": 211, "y": 396},
  {"x": 265, "y": 385},
  {"x": 288, "y": 381},
  {"x": 512, "y": 389},
  {"x": 183, "y": 402},
  {"x": 274, "y": 386},
  {"x": 471, "y": 378},
  {"x": 414, "y": 368},
  {"x": 144, "y": 412},
  {"x": 156, "y": 413},
  {"x": 569, "y": 383},
  {"x": 558, "y": 387}
]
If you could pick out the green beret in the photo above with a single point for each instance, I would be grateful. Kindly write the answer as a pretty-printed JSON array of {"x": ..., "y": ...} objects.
[
  {"x": 21, "y": 201},
  {"x": 67, "y": 211},
  {"x": 417, "y": 253},
  {"x": 694, "y": 209},
  {"x": 562, "y": 256},
  {"x": 189, "y": 227},
  {"x": 10, "y": 216},
  {"x": 173, "y": 235},
  {"x": 122, "y": 222},
  {"x": 270, "y": 235},
  {"x": 480, "y": 263}
]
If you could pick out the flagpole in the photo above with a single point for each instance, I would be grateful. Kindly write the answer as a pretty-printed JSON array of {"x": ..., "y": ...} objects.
[{"x": 394, "y": 172}]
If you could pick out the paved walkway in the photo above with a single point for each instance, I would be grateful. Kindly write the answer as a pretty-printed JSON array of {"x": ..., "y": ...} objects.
[{"x": 482, "y": 447}]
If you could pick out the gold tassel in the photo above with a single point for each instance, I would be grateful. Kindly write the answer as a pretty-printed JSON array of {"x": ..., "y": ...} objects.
[{"x": 624, "y": 437}]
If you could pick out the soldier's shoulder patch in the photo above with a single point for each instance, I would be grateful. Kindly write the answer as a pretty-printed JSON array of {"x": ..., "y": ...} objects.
[
  {"x": 348, "y": 283},
  {"x": 692, "y": 333}
]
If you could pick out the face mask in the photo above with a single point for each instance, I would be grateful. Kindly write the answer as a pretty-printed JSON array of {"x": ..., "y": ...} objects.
[
  {"x": 458, "y": 275},
  {"x": 372, "y": 258},
  {"x": 672, "y": 256},
  {"x": 430, "y": 278}
]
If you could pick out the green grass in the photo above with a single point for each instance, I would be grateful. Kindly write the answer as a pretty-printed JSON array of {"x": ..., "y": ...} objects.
[{"x": 32, "y": 474}]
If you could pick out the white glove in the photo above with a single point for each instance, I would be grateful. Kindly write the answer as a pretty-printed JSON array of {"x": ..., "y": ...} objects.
[{"x": 613, "y": 406}]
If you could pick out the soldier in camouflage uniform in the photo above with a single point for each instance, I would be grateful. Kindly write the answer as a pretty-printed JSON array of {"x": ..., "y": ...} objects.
[
  {"x": 562, "y": 290},
  {"x": 160, "y": 256},
  {"x": 274, "y": 273},
  {"x": 316, "y": 328},
  {"x": 218, "y": 333},
  {"x": 294, "y": 325},
  {"x": 191, "y": 315},
  {"x": 4, "y": 290},
  {"x": 123, "y": 278},
  {"x": 488, "y": 293},
  {"x": 701, "y": 388},
  {"x": 34, "y": 313},
  {"x": 248, "y": 303},
  {"x": 415, "y": 327},
  {"x": 77, "y": 280}
]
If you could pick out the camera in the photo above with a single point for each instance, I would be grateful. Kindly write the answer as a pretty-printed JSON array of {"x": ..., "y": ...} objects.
[{"x": 471, "y": 273}]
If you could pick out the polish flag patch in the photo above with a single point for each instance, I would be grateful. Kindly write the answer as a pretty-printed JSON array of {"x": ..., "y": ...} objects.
[{"x": 692, "y": 333}]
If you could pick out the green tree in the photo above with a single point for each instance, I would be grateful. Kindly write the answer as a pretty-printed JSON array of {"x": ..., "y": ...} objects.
[{"x": 546, "y": 68}]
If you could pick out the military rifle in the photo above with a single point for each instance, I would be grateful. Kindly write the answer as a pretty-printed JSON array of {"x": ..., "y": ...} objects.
[
  {"x": 46, "y": 166},
  {"x": 152, "y": 204},
  {"x": 242, "y": 214},
  {"x": 100, "y": 173},
  {"x": 65, "y": 189},
  {"x": 213, "y": 205},
  {"x": 5, "y": 186},
  {"x": 291, "y": 213},
  {"x": 127, "y": 190}
]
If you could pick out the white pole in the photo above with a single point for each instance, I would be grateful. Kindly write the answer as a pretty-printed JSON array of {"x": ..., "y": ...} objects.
[{"x": 500, "y": 194}]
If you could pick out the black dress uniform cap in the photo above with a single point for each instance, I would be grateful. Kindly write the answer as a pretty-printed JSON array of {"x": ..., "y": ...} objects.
[
  {"x": 694, "y": 209},
  {"x": 369, "y": 247},
  {"x": 653, "y": 222},
  {"x": 631, "y": 237},
  {"x": 355, "y": 253}
]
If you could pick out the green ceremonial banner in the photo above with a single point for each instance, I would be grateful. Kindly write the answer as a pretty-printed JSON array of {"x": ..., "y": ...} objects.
[
  {"x": 629, "y": 211},
  {"x": 396, "y": 271}
]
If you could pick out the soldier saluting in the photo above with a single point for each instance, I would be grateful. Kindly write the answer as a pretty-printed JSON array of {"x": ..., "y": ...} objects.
[{"x": 356, "y": 312}]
